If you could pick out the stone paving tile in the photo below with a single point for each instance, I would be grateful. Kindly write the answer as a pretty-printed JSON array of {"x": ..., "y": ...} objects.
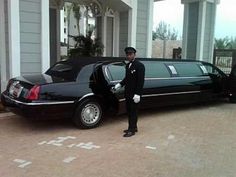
[{"x": 196, "y": 140}]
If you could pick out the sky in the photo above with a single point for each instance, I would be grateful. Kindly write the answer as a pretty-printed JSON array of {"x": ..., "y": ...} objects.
[{"x": 171, "y": 12}]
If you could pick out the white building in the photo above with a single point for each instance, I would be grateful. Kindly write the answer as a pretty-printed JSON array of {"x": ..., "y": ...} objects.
[
  {"x": 69, "y": 24},
  {"x": 30, "y": 31}
]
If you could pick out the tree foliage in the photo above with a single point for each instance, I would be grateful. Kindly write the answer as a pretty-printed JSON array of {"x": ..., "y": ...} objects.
[
  {"x": 222, "y": 43},
  {"x": 225, "y": 43},
  {"x": 86, "y": 46},
  {"x": 233, "y": 43},
  {"x": 164, "y": 32}
]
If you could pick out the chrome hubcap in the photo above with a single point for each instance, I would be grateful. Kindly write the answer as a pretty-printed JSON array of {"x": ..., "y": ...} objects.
[{"x": 90, "y": 113}]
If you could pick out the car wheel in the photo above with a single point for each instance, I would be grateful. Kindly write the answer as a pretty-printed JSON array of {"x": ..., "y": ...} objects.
[{"x": 88, "y": 114}]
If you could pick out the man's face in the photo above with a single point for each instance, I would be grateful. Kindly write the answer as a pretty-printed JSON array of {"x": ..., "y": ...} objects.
[{"x": 130, "y": 56}]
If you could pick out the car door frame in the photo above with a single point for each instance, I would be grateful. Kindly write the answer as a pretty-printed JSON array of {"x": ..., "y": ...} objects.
[{"x": 232, "y": 84}]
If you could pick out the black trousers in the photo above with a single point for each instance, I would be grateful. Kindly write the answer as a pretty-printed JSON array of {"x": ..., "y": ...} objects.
[{"x": 132, "y": 109}]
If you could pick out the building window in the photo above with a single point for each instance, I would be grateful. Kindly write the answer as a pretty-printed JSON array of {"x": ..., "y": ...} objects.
[{"x": 64, "y": 30}]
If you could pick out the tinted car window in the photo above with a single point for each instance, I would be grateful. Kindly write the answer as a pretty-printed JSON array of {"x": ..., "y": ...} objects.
[
  {"x": 85, "y": 73},
  {"x": 63, "y": 70},
  {"x": 117, "y": 71},
  {"x": 188, "y": 69},
  {"x": 60, "y": 67},
  {"x": 154, "y": 69},
  {"x": 211, "y": 69}
]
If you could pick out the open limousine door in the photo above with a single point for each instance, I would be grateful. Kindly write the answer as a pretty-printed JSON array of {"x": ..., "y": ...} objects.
[{"x": 232, "y": 83}]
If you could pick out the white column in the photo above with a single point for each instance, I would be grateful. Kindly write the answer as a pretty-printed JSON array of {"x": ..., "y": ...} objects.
[
  {"x": 201, "y": 29},
  {"x": 58, "y": 35},
  {"x": 45, "y": 40},
  {"x": 62, "y": 35},
  {"x": 132, "y": 22},
  {"x": 185, "y": 31},
  {"x": 104, "y": 32},
  {"x": 201, "y": 43},
  {"x": 116, "y": 34},
  {"x": 14, "y": 37},
  {"x": 212, "y": 33},
  {"x": 149, "y": 33},
  {"x": 3, "y": 65}
]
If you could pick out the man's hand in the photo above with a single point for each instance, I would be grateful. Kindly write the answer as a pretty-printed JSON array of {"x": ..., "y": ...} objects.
[
  {"x": 116, "y": 87},
  {"x": 136, "y": 98}
]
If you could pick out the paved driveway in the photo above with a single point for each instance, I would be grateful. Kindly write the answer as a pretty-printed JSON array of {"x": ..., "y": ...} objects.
[{"x": 196, "y": 141}]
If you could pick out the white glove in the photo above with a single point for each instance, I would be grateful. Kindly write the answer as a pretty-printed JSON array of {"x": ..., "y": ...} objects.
[
  {"x": 136, "y": 98},
  {"x": 116, "y": 87}
]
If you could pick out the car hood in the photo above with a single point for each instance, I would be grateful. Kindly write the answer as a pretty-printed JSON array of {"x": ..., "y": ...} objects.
[{"x": 39, "y": 79}]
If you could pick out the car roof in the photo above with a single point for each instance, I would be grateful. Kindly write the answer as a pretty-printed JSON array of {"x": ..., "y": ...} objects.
[{"x": 80, "y": 62}]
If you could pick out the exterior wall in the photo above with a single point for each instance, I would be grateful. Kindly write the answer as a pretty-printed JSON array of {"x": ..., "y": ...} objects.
[
  {"x": 99, "y": 27},
  {"x": 142, "y": 30},
  {"x": 109, "y": 36},
  {"x": 123, "y": 32},
  {"x": 158, "y": 47},
  {"x": 30, "y": 36},
  {"x": 199, "y": 26},
  {"x": 192, "y": 30},
  {"x": 3, "y": 34},
  {"x": 53, "y": 35},
  {"x": 72, "y": 27},
  {"x": 6, "y": 39}
]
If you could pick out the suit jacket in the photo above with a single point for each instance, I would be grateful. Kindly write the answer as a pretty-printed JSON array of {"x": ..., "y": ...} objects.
[{"x": 134, "y": 79}]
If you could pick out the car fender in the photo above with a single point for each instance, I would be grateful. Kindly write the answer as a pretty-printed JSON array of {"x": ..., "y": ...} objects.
[{"x": 89, "y": 96}]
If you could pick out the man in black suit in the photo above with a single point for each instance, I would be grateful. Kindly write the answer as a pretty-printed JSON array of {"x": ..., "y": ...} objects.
[{"x": 133, "y": 82}]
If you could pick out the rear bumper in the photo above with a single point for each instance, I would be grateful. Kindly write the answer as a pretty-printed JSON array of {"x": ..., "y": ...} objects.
[{"x": 38, "y": 109}]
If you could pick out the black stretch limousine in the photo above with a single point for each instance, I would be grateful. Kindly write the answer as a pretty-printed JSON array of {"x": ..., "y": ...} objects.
[{"x": 82, "y": 90}]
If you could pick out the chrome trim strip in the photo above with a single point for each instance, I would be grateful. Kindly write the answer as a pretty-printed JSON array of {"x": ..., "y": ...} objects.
[
  {"x": 171, "y": 78},
  {"x": 87, "y": 95},
  {"x": 123, "y": 99},
  {"x": 174, "y": 93},
  {"x": 106, "y": 72},
  {"x": 163, "y": 94},
  {"x": 115, "y": 81},
  {"x": 36, "y": 104}
]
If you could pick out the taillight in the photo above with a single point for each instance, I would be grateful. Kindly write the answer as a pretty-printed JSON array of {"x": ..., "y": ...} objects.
[
  {"x": 33, "y": 93},
  {"x": 10, "y": 82}
]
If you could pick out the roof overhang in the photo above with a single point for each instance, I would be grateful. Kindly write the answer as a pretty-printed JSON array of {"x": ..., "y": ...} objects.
[{"x": 118, "y": 5}]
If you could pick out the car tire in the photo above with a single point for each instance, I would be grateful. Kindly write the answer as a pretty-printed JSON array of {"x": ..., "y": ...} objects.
[{"x": 88, "y": 114}]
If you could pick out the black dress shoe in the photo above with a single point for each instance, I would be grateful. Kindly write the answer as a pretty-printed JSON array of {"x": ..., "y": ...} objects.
[
  {"x": 135, "y": 130},
  {"x": 129, "y": 134}
]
